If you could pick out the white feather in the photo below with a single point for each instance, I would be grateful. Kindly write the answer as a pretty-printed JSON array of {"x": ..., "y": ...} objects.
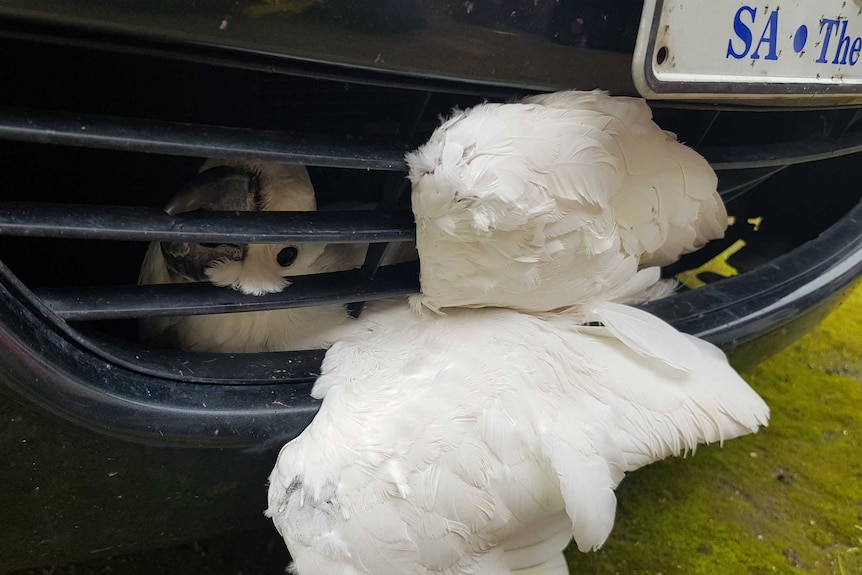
[
  {"x": 554, "y": 203},
  {"x": 646, "y": 334}
]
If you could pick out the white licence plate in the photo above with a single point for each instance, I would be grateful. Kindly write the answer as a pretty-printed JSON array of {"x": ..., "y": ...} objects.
[{"x": 739, "y": 49}]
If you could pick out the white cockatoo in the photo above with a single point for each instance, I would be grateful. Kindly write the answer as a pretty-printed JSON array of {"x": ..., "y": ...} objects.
[
  {"x": 252, "y": 268},
  {"x": 481, "y": 441},
  {"x": 556, "y": 202}
]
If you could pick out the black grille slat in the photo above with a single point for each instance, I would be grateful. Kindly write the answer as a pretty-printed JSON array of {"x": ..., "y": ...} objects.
[
  {"x": 119, "y": 302},
  {"x": 785, "y": 154},
  {"x": 197, "y": 140},
  {"x": 391, "y": 196},
  {"x": 83, "y": 221},
  {"x": 293, "y": 367}
]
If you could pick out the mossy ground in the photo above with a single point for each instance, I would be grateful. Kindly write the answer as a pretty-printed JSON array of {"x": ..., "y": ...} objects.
[{"x": 786, "y": 500}]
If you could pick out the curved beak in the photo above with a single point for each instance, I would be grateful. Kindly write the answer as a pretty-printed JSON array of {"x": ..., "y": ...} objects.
[
  {"x": 219, "y": 189},
  {"x": 222, "y": 188}
]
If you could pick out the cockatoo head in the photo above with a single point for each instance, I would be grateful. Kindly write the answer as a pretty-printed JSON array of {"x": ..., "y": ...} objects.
[{"x": 253, "y": 269}]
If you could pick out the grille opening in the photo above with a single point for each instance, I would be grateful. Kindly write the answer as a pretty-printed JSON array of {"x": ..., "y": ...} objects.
[{"x": 61, "y": 174}]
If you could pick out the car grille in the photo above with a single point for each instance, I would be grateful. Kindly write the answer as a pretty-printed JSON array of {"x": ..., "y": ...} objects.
[{"x": 90, "y": 161}]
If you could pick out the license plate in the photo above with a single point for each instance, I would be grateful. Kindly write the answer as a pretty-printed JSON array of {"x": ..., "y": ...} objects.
[{"x": 724, "y": 49}]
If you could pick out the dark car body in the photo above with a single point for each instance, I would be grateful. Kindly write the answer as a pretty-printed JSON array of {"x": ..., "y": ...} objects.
[{"x": 108, "y": 106}]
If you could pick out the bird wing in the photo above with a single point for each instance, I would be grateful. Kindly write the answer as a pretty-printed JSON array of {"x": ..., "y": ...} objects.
[
  {"x": 443, "y": 437},
  {"x": 636, "y": 399},
  {"x": 666, "y": 397},
  {"x": 390, "y": 478}
]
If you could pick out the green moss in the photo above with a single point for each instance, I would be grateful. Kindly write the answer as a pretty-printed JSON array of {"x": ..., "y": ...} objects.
[{"x": 787, "y": 500}]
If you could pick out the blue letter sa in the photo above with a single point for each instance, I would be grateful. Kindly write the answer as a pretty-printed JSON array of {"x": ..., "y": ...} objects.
[{"x": 742, "y": 31}]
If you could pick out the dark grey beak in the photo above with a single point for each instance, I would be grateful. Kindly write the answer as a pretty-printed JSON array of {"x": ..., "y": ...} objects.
[
  {"x": 222, "y": 188},
  {"x": 219, "y": 189}
]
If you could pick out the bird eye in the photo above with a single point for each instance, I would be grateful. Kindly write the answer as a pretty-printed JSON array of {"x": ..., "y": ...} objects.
[{"x": 287, "y": 256}]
